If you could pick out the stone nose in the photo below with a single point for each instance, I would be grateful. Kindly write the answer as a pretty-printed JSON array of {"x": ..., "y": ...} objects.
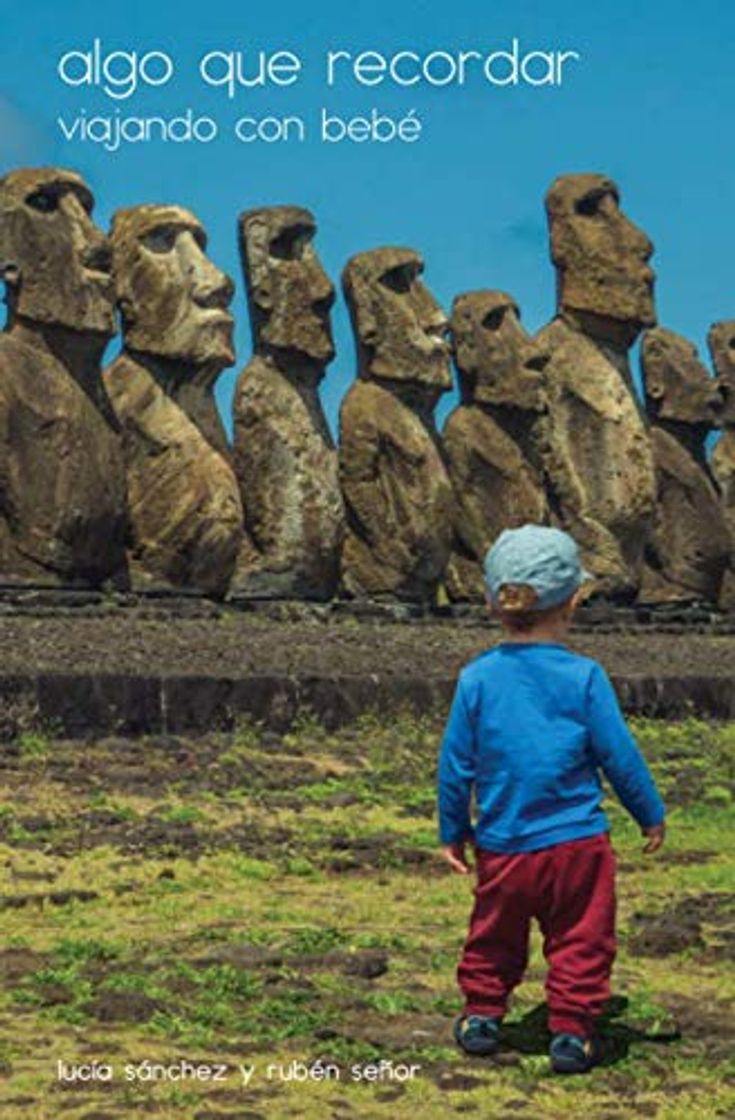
[
  {"x": 91, "y": 243},
  {"x": 531, "y": 354},
  {"x": 211, "y": 287},
  {"x": 536, "y": 359},
  {"x": 322, "y": 305},
  {"x": 216, "y": 289},
  {"x": 727, "y": 415},
  {"x": 98, "y": 255},
  {"x": 321, "y": 288},
  {"x": 436, "y": 324},
  {"x": 639, "y": 242},
  {"x": 717, "y": 397}
]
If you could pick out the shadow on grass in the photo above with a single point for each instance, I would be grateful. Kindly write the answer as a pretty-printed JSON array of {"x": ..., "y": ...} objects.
[{"x": 530, "y": 1034}]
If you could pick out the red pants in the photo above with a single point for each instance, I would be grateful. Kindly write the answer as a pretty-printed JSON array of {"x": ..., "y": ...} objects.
[{"x": 570, "y": 889}]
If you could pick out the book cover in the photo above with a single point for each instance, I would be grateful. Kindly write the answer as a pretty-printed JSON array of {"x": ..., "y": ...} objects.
[{"x": 305, "y": 305}]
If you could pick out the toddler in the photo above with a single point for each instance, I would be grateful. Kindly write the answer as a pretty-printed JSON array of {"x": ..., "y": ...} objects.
[{"x": 531, "y": 726}]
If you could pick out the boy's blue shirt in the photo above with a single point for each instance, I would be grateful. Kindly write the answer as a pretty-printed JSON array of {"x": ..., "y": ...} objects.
[{"x": 531, "y": 726}]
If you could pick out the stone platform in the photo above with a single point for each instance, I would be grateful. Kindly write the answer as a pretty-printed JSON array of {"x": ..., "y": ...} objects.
[{"x": 82, "y": 664}]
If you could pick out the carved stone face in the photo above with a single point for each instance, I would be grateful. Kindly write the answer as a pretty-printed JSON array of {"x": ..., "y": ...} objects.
[
  {"x": 289, "y": 292},
  {"x": 721, "y": 342},
  {"x": 601, "y": 256},
  {"x": 498, "y": 362},
  {"x": 53, "y": 258},
  {"x": 399, "y": 325},
  {"x": 173, "y": 299},
  {"x": 678, "y": 386}
]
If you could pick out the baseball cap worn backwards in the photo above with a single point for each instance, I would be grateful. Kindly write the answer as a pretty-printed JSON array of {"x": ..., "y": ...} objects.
[{"x": 533, "y": 568}]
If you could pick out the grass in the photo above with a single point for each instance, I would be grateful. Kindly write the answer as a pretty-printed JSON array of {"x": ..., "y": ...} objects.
[
  {"x": 282, "y": 902},
  {"x": 32, "y": 744}
]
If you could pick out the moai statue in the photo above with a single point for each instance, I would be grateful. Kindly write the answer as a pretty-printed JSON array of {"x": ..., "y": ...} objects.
[
  {"x": 492, "y": 439},
  {"x": 285, "y": 458},
  {"x": 184, "y": 504},
  {"x": 395, "y": 484},
  {"x": 174, "y": 303},
  {"x": 721, "y": 342},
  {"x": 62, "y": 479},
  {"x": 689, "y": 549},
  {"x": 601, "y": 464}
]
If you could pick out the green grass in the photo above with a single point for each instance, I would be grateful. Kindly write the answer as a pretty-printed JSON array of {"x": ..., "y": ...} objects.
[
  {"x": 314, "y": 920},
  {"x": 34, "y": 745},
  {"x": 182, "y": 814}
]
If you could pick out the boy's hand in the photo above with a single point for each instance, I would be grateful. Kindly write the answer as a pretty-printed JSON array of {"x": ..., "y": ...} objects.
[
  {"x": 454, "y": 854},
  {"x": 655, "y": 834}
]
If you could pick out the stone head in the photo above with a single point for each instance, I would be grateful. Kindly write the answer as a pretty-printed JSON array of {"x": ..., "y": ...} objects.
[
  {"x": 289, "y": 293},
  {"x": 601, "y": 257},
  {"x": 721, "y": 343},
  {"x": 173, "y": 300},
  {"x": 677, "y": 385},
  {"x": 399, "y": 326},
  {"x": 54, "y": 260},
  {"x": 498, "y": 362}
]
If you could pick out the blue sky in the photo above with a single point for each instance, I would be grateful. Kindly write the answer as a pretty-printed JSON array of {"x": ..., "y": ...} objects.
[{"x": 649, "y": 103}]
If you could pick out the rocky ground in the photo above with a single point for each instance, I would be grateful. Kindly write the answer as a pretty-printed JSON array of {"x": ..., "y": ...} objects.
[
  {"x": 235, "y": 644},
  {"x": 260, "y": 899}
]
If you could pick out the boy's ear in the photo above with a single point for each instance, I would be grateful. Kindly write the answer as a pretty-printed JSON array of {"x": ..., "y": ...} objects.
[{"x": 577, "y": 599}]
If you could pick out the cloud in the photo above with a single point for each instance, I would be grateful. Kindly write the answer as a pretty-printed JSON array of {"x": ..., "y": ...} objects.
[
  {"x": 529, "y": 232},
  {"x": 21, "y": 141}
]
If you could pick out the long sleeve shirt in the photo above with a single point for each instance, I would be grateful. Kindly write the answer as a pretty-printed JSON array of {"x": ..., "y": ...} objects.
[{"x": 530, "y": 728}]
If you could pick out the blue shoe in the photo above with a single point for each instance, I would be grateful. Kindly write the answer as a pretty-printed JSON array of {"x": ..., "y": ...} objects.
[
  {"x": 570, "y": 1053},
  {"x": 477, "y": 1034}
]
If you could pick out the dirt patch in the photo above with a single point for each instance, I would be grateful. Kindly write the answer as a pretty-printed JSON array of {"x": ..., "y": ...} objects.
[
  {"x": 148, "y": 767},
  {"x": 681, "y": 927},
  {"x": 130, "y": 766},
  {"x": 458, "y": 1082},
  {"x": 394, "y": 1093},
  {"x": 684, "y": 859},
  {"x": 398, "y": 1036},
  {"x": 363, "y": 964},
  {"x": 686, "y": 787},
  {"x": 123, "y": 1007},
  {"x": 30, "y": 876},
  {"x": 57, "y": 898},
  {"x": 52, "y": 994},
  {"x": 366, "y": 964},
  {"x": 710, "y": 1025},
  {"x": 151, "y": 836},
  {"x": 16, "y": 963},
  {"x": 241, "y": 956},
  {"x": 376, "y": 852},
  {"x": 207, "y": 1114}
]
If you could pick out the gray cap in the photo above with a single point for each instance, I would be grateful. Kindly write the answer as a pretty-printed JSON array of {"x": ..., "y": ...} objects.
[{"x": 533, "y": 568}]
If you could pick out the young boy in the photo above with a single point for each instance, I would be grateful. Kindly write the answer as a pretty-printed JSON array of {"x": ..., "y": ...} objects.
[{"x": 531, "y": 724}]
